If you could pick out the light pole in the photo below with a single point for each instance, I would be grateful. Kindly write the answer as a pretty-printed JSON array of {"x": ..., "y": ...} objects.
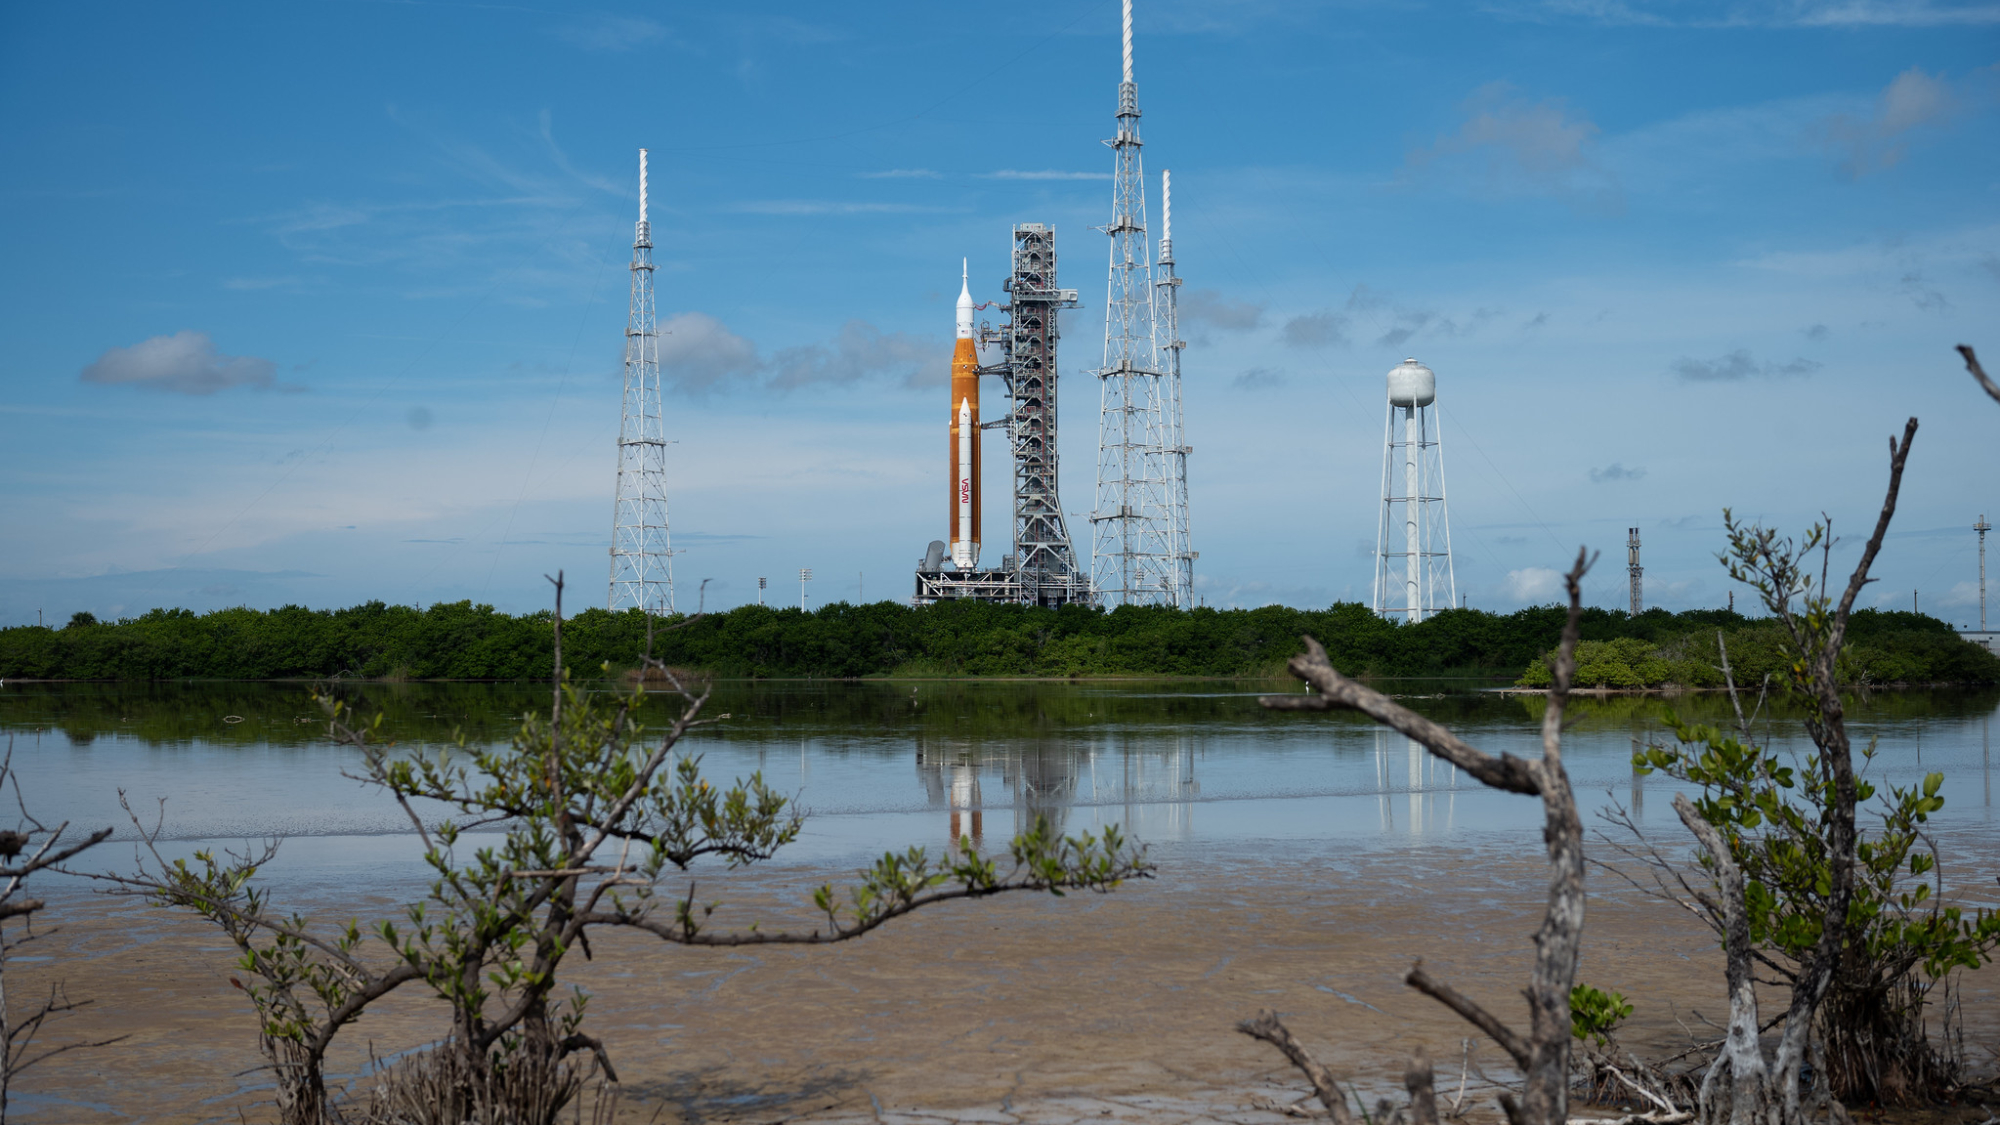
[
  {"x": 805, "y": 576},
  {"x": 1982, "y": 527},
  {"x": 761, "y": 583}
]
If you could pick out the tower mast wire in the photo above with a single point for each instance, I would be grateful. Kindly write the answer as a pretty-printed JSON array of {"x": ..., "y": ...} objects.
[
  {"x": 642, "y": 565},
  {"x": 1132, "y": 526}
]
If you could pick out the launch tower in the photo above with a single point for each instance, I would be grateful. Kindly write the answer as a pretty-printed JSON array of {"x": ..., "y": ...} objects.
[
  {"x": 1137, "y": 557},
  {"x": 1043, "y": 568},
  {"x": 1417, "y": 580},
  {"x": 642, "y": 568}
]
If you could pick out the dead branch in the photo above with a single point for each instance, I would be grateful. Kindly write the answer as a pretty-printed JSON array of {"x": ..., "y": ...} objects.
[
  {"x": 1542, "y": 1054},
  {"x": 1978, "y": 372},
  {"x": 1268, "y": 1028}
]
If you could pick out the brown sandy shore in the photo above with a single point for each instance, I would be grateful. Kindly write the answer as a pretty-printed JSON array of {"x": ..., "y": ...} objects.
[{"x": 1087, "y": 1008}]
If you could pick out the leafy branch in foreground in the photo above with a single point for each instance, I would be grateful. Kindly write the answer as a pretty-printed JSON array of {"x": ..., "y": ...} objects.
[
  {"x": 569, "y": 826},
  {"x": 1787, "y": 882}
]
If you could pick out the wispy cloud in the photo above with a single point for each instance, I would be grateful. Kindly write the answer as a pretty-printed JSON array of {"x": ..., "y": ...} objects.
[
  {"x": 830, "y": 207},
  {"x": 1513, "y": 146},
  {"x": 1316, "y": 330},
  {"x": 254, "y": 284},
  {"x": 184, "y": 363},
  {"x": 1616, "y": 472},
  {"x": 612, "y": 33},
  {"x": 1881, "y": 139},
  {"x": 1738, "y": 366},
  {"x": 1208, "y": 307},
  {"x": 1532, "y": 584},
  {"x": 699, "y": 354},
  {"x": 1050, "y": 174},
  {"x": 1755, "y": 13},
  {"x": 902, "y": 174},
  {"x": 1258, "y": 379}
]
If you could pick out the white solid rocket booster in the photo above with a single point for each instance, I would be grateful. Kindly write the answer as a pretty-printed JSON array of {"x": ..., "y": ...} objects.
[{"x": 962, "y": 548}]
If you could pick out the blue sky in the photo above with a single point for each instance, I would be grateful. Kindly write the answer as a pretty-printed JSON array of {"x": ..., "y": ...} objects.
[{"x": 324, "y": 302}]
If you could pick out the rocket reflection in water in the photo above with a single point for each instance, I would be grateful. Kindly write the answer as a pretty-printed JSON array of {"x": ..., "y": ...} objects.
[{"x": 964, "y": 535}]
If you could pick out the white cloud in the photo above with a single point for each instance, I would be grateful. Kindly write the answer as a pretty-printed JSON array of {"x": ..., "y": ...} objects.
[
  {"x": 829, "y": 207},
  {"x": 1051, "y": 174},
  {"x": 1616, "y": 472},
  {"x": 1209, "y": 307},
  {"x": 1738, "y": 366},
  {"x": 183, "y": 363},
  {"x": 1516, "y": 147},
  {"x": 1316, "y": 330},
  {"x": 862, "y": 350},
  {"x": 1878, "y": 141},
  {"x": 613, "y": 33},
  {"x": 1258, "y": 378},
  {"x": 1535, "y": 584},
  {"x": 1760, "y": 13},
  {"x": 699, "y": 354}
]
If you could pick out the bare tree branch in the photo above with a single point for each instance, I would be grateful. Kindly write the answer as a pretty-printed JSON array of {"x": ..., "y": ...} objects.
[
  {"x": 1267, "y": 1027},
  {"x": 1978, "y": 372}
]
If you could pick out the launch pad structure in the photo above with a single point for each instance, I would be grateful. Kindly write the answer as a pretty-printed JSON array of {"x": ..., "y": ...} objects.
[{"x": 1042, "y": 570}]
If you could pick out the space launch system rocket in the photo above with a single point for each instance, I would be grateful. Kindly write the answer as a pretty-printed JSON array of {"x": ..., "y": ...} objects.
[{"x": 964, "y": 436}]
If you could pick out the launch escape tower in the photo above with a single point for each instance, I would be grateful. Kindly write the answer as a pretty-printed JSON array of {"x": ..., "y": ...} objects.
[
  {"x": 1426, "y": 583},
  {"x": 1043, "y": 569},
  {"x": 1139, "y": 552},
  {"x": 1633, "y": 569},
  {"x": 642, "y": 571}
]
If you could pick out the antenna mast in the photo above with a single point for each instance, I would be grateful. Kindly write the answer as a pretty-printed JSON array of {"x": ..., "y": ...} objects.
[
  {"x": 1133, "y": 548},
  {"x": 642, "y": 568}
]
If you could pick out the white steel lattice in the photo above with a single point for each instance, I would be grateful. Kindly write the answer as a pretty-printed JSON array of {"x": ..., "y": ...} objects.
[
  {"x": 642, "y": 573},
  {"x": 1170, "y": 347},
  {"x": 1413, "y": 569},
  {"x": 1133, "y": 548}
]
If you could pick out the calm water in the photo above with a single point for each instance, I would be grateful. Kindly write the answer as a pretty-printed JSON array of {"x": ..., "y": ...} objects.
[{"x": 1191, "y": 768}]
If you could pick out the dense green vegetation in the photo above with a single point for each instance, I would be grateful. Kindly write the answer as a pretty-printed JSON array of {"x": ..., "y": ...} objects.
[
  {"x": 459, "y": 640},
  {"x": 1883, "y": 648}
]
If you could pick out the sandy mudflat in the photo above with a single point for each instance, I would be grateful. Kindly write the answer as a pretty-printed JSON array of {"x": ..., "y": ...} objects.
[{"x": 1088, "y": 1008}]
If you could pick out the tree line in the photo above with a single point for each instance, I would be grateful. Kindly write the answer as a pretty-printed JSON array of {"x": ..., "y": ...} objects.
[{"x": 464, "y": 641}]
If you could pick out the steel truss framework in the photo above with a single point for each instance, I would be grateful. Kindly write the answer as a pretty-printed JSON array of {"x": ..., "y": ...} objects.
[
  {"x": 1410, "y": 581},
  {"x": 1138, "y": 556},
  {"x": 1043, "y": 569},
  {"x": 642, "y": 571}
]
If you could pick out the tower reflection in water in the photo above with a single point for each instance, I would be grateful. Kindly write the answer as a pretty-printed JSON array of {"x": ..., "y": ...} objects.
[
  {"x": 1146, "y": 787},
  {"x": 1402, "y": 762}
]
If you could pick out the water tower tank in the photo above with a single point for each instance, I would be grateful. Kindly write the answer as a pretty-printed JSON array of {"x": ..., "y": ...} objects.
[{"x": 1412, "y": 384}]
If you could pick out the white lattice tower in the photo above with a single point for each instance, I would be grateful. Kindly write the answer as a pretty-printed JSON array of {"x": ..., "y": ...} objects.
[
  {"x": 1132, "y": 528},
  {"x": 1413, "y": 569},
  {"x": 642, "y": 570},
  {"x": 1169, "y": 347}
]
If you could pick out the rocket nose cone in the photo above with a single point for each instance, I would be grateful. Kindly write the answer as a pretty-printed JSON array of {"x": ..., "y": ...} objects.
[{"x": 965, "y": 308}]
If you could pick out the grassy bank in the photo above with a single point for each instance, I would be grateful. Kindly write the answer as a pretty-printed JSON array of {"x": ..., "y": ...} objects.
[{"x": 462, "y": 641}]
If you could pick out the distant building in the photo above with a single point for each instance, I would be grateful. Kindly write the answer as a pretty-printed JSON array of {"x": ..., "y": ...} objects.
[{"x": 1989, "y": 639}]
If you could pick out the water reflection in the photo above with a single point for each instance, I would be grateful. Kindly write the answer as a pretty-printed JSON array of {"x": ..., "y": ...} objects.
[
  {"x": 1147, "y": 787},
  {"x": 1402, "y": 762},
  {"x": 1195, "y": 762}
]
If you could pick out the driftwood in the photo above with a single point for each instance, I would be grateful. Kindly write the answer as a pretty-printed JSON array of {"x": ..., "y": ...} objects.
[{"x": 1543, "y": 1052}]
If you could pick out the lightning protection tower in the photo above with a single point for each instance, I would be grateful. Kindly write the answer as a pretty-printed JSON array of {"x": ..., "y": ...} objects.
[
  {"x": 1170, "y": 347},
  {"x": 642, "y": 570},
  {"x": 1416, "y": 580},
  {"x": 1636, "y": 571},
  {"x": 1132, "y": 523}
]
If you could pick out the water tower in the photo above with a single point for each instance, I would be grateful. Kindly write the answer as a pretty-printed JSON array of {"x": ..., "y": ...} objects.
[{"x": 1413, "y": 574}]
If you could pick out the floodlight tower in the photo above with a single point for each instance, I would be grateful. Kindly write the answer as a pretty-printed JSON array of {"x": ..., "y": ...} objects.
[
  {"x": 1170, "y": 346},
  {"x": 642, "y": 557},
  {"x": 1426, "y": 583},
  {"x": 1132, "y": 541},
  {"x": 1982, "y": 527}
]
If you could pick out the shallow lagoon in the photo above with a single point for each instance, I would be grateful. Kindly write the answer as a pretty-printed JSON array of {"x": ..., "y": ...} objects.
[{"x": 1192, "y": 768}]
